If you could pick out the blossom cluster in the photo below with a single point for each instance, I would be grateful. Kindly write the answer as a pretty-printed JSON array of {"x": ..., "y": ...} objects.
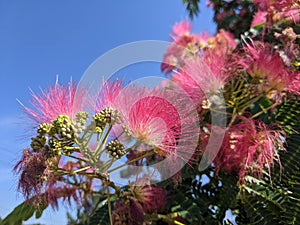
[{"x": 241, "y": 81}]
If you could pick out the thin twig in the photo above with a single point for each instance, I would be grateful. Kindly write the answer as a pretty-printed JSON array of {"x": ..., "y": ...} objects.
[
  {"x": 132, "y": 161},
  {"x": 109, "y": 206}
]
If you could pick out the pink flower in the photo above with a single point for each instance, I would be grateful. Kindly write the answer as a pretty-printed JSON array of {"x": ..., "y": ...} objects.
[
  {"x": 262, "y": 4},
  {"x": 249, "y": 147},
  {"x": 286, "y": 10},
  {"x": 266, "y": 65},
  {"x": 190, "y": 86},
  {"x": 181, "y": 29},
  {"x": 277, "y": 11},
  {"x": 107, "y": 94},
  {"x": 149, "y": 118},
  {"x": 38, "y": 182},
  {"x": 33, "y": 169},
  {"x": 142, "y": 199},
  {"x": 57, "y": 100},
  {"x": 259, "y": 18},
  {"x": 154, "y": 118},
  {"x": 152, "y": 198},
  {"x": 184, "y": 45},
  {"x": 202, "y": 77},
  {"x": 294, "y": 86}
]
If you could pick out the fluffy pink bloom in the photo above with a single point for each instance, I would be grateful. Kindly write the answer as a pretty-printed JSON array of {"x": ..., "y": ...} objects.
[
  {"x": 188, "y": 46},
  {"x": 294, "y": 86},
  {"x": 148, "y": 117},
  {"x": 57, "y": 100},
  {"x": 152, "y": 198},
  {"x": 273, "y": 12},
  {"x": 266, "y": 65},
  {"x": 181, "y": 29},
  {"x": 107, "y": 94},
  {"x": 288, "y": 10},
  {"x": 262, "y": 5},
  {"x": 249, "y": 147},
  {"x": 202, "y": 78},
  {"x": 184, "y": 45},
  {"x": 141, "y": 200},
  {"x": 190, "y": 86},
  {"x": 157, "y": 119},
  {"x": 259, "y": 18}
]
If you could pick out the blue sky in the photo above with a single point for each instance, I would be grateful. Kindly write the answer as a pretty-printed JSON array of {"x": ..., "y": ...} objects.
[{"x": 40, "y": 39}]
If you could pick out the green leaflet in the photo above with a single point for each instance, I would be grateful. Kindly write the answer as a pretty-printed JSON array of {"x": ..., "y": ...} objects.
[
  {"x": 276, "y": 199},
  {"x": 23, "y": 212}
]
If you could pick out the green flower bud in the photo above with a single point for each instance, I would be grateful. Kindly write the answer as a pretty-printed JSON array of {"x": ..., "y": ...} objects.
[
  {"x": 107, "y": 115},
  {"x": 44, "y": 128},
  {"x": 115, "y": 149},
  {"x": 38, "y": 142}
]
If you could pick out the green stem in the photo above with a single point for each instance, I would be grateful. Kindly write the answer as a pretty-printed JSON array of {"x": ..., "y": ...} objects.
[
  {"x": 109, "y": 206},
  {"x": 169, "y": 220},
  {"x": 101, "y": 143},
  {"x": 81, "y": 169},
  {"x": 88, "y": 140},
  {"x": 264, "y": 110},
  {"x": 79, "y": 159},
  {"x": 97, "y": 204},
  {"x": 132, "y": 161}
]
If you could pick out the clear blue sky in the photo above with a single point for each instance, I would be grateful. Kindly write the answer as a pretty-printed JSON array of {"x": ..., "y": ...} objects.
[{"x": 40, "y": 39}]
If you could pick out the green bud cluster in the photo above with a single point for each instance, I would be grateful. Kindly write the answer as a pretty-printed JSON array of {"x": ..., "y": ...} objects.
[
  {"x": 54, "y": 147},
  {"x": 107, "y": 116},
  {"x": 63, "y": 127},
  {"x": 81, "y": 117},
  {"x": 77, "y": 128},
  {"x": 115, "y": 149},
  {"x": 38, "y": 142},
  {"x": 127, "y": 130},
  {"x": 79, "y": 124},
  {"x": 54, "y": 143},
  {"x": 59, "y": 136},
  {"x": 44, "y": 128}
]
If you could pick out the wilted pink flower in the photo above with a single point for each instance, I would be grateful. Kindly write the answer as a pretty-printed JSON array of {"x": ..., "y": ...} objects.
[
  {"x": 33, "y": 170},
  {"x": 294, "y": 86},
  {"x": 57, "y": 100},
  {"x": 291, "y": 49},
  {"x": 249, "y": 147},
  {"x": 38, "y": 183}
]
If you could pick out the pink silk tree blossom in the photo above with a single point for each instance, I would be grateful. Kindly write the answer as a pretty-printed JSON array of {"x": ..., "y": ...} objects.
[
  {"x": 57, "y": 100},
  {"x": 249, "y": 147}
]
